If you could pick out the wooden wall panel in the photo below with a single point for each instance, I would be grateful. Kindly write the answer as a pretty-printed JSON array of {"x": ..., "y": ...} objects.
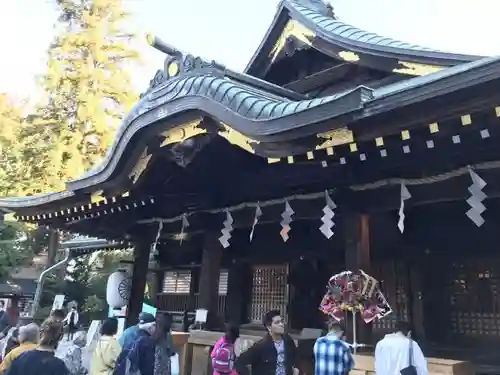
[{"x": 394, "y": 282}]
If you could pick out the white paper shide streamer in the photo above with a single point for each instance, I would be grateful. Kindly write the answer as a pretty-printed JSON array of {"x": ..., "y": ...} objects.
[
  {"x": 258, "y": 214},
  {"x": 476, "y": 199},
  {"x": 327, "y": 218},
  {"x": 184, "y": 227},
  {"x": 285, "y": 223},
  {"x": 154, "y": 246},
  {"x": 226, "y": 231},
  {"x": 405, "y": 195}
]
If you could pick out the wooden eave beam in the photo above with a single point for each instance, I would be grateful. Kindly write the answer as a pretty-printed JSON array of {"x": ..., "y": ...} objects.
[
  {"x": 419, "y": 117},
  {"x": 404, "y": 114},
  {"x": 370, "y": 201},
  {"x": 117, "y": 224},
  {"x": 320, "y": 79}
]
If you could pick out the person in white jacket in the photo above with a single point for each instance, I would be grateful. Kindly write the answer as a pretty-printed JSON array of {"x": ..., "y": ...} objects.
[
  {"x": 398, "y": 354},
  {"x": 72, "y": 321}
]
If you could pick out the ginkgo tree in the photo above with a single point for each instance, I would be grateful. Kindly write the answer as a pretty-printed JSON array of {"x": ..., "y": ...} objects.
[
  {"x": 11, "y": 165},
  {"x": 87, "y": 90}
]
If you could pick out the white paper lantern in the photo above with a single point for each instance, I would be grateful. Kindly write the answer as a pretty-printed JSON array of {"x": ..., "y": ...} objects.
[{"x": 118, "y": 289}]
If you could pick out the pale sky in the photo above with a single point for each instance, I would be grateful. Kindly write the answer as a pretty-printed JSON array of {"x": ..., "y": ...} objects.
[{"x": 230, "y": 30}]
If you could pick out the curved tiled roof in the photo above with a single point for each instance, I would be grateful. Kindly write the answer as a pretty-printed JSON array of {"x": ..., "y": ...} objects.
[
  {"x": 13, "y": 203},
  {"x": 240, "y": 99},
  {"x": 13, "y": 286},
  {"x": 322, "y": 21},
  {"x": 336, "y": 30},
  {"x": 247, "y": 103},
  {"x": 334, "y": 26},
  {"x": 250, "y": 111},
  {"x": 253, "y": 108}
]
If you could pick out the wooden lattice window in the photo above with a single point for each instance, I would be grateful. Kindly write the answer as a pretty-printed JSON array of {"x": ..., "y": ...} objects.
[
  {"x": 394, "y": 284},
  {"x": 473, "y": 296},
  {"x": 177, "y": 282},
  {"x": 269, "y": 291},
  {"x": 223, "y": 279}
]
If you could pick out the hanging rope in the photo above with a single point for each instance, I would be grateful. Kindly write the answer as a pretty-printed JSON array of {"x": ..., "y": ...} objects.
[
  {"x": 369, "y": 186},
  {"x": 427, "y": 180}
]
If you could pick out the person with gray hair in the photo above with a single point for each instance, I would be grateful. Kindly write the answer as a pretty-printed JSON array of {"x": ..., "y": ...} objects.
[
  {"x": 28, "y": 336},
  {"x": 42, "y": 359},
  {"x": 73, "y": 358}
]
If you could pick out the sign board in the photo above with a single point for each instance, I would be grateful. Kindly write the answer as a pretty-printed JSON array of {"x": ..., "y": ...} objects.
[
  {"x": 118, "y": 313},
  {"x": 201, "y": 316},
  {"x": 58, "y": 302},
  {"x": 93, "y": 333},
  {"x": 121, "y": 327},
  {"x": 149, "y": 309}
]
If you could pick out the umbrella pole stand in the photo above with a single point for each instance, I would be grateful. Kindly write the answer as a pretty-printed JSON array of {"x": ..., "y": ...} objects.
[{"x": 354, "y": 333}]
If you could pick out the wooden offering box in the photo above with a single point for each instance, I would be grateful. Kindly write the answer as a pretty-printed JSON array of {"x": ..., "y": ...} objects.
[
  {"x": 199, "y": 344},
  {"x": 180, "y": 341},
  {"x": 364, "y": 365}
]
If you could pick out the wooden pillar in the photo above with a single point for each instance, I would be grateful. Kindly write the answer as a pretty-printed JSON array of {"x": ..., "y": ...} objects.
[
  {"x": 53, "y": 247},
  {"x": 209, "y": 279},
  {"x": 139, "y": 276},
  {"x": 357, "y": 242},
  {"x": 157, "y": 288},
  {"x": 415, "y": 305},
  {"x": 13, "y": 309},
  {"x": 236, "y": 293},
  {"x": 191, "y": 300},
  {"x": 357, "y": 257}
]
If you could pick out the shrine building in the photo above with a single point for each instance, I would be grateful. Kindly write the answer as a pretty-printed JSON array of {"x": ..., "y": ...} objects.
[{"x": 224, "y": 179}]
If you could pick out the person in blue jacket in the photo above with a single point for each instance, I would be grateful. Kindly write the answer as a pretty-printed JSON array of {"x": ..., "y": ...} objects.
[
  {"x": 145, "y": 327},
  {"x": 152, "y": 353},
  {"x": 131, "y": 334}
]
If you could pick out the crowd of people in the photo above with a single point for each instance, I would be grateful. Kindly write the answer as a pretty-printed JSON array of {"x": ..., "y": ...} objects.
[
  {"x": 147, "y": 349},
  {"x": 144, "y": 349},
  {"x": 36, "y": 356},
  {"x": 30, "y": 349},
  {"x": 276, "y": 353}
]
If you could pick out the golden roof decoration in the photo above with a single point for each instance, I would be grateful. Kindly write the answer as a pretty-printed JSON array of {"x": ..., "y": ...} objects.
[
  {"x": 238, "y": 139},
  {"x": 416, "y": 69},
  {"x": 140, "y": 166},
  {"x": 292, "y": 29},
  {"x": 181, "y": 133}
]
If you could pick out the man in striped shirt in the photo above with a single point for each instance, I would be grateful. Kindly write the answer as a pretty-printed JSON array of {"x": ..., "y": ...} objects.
[{"x": 332, "y": 355}]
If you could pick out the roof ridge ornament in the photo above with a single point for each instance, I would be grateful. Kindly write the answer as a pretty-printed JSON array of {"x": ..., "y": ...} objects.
[
  {"x": 178, "y": 63},
  {"x": 323, "y": 6}
]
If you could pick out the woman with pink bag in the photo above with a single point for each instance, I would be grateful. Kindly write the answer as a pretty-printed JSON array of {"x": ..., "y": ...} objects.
[{"x": 223, "y": 355}]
